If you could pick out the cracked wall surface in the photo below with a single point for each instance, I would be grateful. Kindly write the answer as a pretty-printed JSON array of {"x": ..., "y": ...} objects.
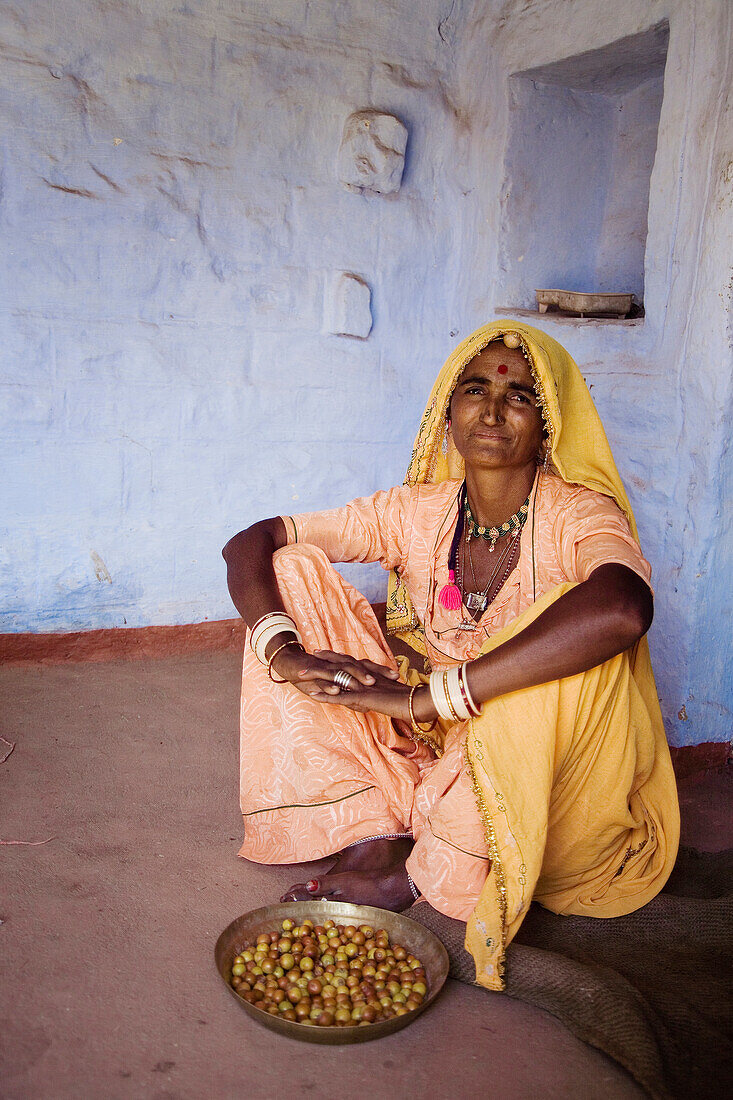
[{"x": 172, "y": 222}]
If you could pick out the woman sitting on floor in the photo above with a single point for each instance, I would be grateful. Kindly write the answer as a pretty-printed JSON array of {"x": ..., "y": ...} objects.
[{"x": 519, "y": 752}]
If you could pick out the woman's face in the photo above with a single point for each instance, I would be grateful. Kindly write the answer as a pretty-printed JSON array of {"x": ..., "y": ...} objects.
[{"x": 495, "y": 417}]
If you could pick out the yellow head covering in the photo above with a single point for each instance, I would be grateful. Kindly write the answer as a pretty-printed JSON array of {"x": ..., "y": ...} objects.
[{"x": 579, "y": 450}]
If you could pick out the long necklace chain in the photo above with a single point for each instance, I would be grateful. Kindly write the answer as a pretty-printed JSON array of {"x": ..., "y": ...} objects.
[
  {"x": 507, "y": 550},
  {"x": 479, "y": 601},
  {"x": 493, "y": 534}
]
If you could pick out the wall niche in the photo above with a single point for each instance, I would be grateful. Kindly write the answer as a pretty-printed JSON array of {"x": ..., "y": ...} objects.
[{"x": 582, "y": 142}]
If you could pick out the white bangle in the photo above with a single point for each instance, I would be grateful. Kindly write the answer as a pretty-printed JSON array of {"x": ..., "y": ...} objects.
[
  {"x": 455, "y": 695},
  {"x": 447, "y": 697},
  {"x": 266, "y": 628},
  {"x": 273, "y": 618},
  {"x": 439, "y": 697},
  {"x": 266, "y": 635}
]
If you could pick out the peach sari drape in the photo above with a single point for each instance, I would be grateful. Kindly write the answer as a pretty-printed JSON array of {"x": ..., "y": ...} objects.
[{"x": 315, "y": 778}]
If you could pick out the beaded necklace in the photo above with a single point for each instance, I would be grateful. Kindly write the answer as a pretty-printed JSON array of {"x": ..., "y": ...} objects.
[{"x": 492, "y": 534}]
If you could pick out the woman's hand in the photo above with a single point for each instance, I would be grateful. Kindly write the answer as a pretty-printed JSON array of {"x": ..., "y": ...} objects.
[
  {"x": 314, "y": 673},
  {"x": 373, "y": 687},
  {"x": 379, "y": 690},
  {"x": 386, "y": 694}
]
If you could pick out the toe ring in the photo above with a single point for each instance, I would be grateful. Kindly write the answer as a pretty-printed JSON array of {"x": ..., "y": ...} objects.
[{"x": 312, "y": 885}]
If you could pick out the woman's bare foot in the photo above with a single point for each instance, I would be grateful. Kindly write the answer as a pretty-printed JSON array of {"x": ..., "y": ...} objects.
[{"x": 373, "y": 873}]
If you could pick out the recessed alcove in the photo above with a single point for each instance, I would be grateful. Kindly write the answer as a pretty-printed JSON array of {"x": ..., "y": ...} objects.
[{"x": 581, "y": 147}]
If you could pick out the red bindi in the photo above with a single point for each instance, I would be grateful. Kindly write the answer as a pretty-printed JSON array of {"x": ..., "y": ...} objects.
[{"x": 502, "y": 368}]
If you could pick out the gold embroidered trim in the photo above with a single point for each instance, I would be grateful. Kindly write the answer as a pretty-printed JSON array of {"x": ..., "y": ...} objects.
[
  {"x": 629, "y": 853},
  {"x": 309, "y": 805},
  {"x": 496, "y": 864},
  {"x": 398, "y": 616},
  {"x": 464, "y": 851},
  {"x": 427, "y": 740},
  {"x": 421, "y": 444}
]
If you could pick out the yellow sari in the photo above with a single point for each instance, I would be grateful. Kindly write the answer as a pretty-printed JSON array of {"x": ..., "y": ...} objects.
[{"x": 583, "y": 761}]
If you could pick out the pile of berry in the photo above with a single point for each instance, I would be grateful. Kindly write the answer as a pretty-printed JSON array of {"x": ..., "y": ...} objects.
[{"x": 329, "y": 975}]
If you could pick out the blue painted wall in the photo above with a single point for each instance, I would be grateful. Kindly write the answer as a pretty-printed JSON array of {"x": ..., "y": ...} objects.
[{"x": 171, "y": 219}]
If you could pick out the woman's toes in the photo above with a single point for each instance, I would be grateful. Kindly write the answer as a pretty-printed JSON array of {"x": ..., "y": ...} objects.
[{"x": 304, "y": 891}]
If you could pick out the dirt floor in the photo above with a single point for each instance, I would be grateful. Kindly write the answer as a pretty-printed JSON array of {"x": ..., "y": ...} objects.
[{"x": 129, "y": 771}]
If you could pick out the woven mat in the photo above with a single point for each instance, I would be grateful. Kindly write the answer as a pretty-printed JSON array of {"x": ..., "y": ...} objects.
[{"x": 652, "y": 990}]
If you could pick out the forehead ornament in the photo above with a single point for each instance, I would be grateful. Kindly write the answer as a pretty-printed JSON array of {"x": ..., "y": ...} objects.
[{"x": 511, "y": 340}]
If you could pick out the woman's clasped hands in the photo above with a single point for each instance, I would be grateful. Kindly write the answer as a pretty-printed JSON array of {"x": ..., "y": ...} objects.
[{"x": 369, "y": 687}]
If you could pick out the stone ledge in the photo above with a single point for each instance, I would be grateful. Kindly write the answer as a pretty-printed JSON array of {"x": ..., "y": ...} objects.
[
  {"x": 557, "y": 318},
  {"x": 690, "y": 760}
]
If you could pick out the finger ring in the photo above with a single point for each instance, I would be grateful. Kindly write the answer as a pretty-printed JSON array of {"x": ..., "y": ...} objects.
[{"x": 342, "y": 679}]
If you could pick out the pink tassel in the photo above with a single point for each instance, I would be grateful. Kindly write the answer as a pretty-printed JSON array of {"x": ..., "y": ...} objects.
[{"x": 450, "y": 594}]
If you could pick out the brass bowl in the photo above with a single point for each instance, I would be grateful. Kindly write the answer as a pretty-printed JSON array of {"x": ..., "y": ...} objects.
[{"x": 418, "y": 941}]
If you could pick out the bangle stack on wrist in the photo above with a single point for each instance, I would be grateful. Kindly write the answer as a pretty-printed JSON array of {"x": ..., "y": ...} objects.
[
  {"x": 266, "y": 628},
  {"x": 451, "y": 696}
]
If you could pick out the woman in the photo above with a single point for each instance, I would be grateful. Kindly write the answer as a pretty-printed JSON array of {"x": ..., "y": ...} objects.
[{"x": 532, "y": 761}]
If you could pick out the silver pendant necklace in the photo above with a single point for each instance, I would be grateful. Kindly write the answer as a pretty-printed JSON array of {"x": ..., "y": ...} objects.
[{"x": 479, "y": 601}]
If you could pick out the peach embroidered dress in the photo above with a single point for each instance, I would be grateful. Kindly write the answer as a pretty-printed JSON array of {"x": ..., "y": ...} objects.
[{"x": 562, "y": 792}]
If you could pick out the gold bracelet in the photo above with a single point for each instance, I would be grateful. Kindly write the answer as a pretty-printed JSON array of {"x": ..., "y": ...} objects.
[
  {"x": 293, "y": 641},
  {"x": 413, "y": 720},
  {"x": 448, "y": 699}
]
